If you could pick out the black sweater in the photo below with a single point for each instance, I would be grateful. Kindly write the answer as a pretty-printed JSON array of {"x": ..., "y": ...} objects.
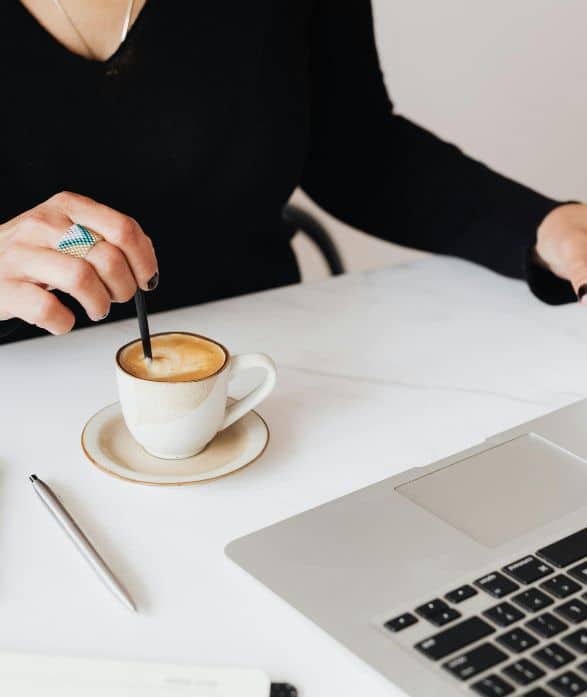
[{"x": 210, "y": 114}]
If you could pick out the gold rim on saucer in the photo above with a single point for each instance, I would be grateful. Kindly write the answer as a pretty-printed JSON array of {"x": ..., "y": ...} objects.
[{"x": 116, "y": 470}]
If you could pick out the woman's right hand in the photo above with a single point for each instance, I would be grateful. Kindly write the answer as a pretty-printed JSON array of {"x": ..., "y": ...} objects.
[{"x": 30, "y": 262}]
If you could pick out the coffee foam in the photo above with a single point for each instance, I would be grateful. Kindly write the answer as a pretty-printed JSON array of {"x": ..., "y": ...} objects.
[{"x": 176, "y": 358}]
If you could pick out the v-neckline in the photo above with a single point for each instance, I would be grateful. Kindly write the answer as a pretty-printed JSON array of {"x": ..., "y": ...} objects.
[{"x": 52, "y": 39}]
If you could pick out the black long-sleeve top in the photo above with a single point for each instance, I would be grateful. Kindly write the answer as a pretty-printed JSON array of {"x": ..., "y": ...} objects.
[{"x": 210, "y": 114}]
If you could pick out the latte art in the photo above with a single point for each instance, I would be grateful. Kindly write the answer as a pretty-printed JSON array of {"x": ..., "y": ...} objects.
[{"x": 176, "y": 358}]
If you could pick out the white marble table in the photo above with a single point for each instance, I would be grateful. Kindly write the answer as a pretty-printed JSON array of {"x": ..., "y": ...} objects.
[{"x": 378, "y": 372}]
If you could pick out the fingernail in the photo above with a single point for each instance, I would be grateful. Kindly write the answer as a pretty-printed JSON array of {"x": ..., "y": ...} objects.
[
  {"x": 105, "y": 315},
  {"x": 154, "y": 282},
  {"x": 581, "y": 292}
]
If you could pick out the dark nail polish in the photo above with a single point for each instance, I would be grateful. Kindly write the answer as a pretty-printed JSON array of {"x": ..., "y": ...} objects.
[
  {"x": 582, "y": 290},
  {"x": 153, "y": 282}
]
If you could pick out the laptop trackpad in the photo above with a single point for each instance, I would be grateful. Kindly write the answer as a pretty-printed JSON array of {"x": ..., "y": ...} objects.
[{"x": 504, "y": 492}]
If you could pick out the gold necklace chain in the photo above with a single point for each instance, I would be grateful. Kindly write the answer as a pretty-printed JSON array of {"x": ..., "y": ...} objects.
[{"x": 89, "y": 49}]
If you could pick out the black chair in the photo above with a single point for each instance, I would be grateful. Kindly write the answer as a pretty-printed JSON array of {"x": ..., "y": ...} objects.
[{"x": 299, "y": 220}]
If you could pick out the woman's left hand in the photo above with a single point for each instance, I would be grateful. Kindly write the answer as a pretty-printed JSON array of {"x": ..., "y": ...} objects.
[{"x": 561, "y": 245}]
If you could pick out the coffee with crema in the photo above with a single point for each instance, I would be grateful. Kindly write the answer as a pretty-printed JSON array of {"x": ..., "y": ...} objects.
[{"x": 177, "y": 357}]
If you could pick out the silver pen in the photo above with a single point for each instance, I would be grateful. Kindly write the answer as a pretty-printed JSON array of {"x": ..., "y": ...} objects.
[{"x": 84, "y": 546}]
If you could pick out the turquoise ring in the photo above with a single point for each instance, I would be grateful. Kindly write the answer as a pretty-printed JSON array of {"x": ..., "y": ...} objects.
[{"x": 78, "y": 240}]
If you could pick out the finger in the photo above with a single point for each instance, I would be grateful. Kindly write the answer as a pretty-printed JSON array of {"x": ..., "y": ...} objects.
[
  {"x": 577, "y": 275},
  {"x": 74, "y": 276},
  {"x": 118, "y": 229},
  {"x": 571, "y": 264},
  {"x": 36, "y": 306},
  {"x": 561, "y": 246},
  {"x": 42, "y": 226},
  {"x": 45, "y": 227},
  {"x": 112, "y": 267}
]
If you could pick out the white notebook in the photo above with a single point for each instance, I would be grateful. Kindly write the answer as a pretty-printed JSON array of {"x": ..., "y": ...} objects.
[{"x": 24, "y": 675}]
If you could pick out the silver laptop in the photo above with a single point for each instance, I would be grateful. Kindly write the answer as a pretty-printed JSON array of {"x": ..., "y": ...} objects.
[{"x": 468, "y": 576}]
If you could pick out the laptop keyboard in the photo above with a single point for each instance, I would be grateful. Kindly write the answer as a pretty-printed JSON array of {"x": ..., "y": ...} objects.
[{"x": 532, "y": 641}]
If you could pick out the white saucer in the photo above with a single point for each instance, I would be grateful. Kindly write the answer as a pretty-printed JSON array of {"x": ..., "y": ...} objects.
[{"x": 108, "y": 444}]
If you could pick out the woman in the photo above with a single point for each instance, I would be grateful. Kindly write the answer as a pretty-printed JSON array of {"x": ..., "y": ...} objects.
[{"x": 200, "y": 124}]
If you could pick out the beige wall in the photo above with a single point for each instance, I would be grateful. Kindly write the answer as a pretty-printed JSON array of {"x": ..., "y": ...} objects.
[{"x": 506, "y": 80}]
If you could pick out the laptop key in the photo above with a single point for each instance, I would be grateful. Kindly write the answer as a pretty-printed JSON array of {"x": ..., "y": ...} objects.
[
  {"x": 460, "y": 594},
  {"x": 554, "y": 656},
  {"x": 560, "y": 586},
  {"x": 437, "y": 612},
  {"x": 455, "y": 638},
  {"x": 401, "y": 622},
  {"x": 547, "y": 625},
  {"x": 446, "y": 616},
  {"x": 568, "y": 684},
  {"x": 517, "y": 640},
  {"x": 579, "y": 572},
  {"x": 566, "y": 551},
  {"x": 504, "y": 614},
  {"x": 524, "y": 672},
  {"x": 577, "y": 640},
  {"x": 496, "y": 584},
  {"x": 583, "y": 667},
  {"x": 528, "y": 570},
  {"x": 532, "y": 600},
  {"x": 475, "y": 661},
  {"x": 573, "y": 610},
  {"x": 492, "y": 686},
  {"x": 434, "y": 607},
  {"x": 282, "y": 689},
  {"x": 537, "y": 692}
]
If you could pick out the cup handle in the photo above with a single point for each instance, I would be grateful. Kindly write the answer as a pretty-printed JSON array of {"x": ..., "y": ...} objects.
[{"x": 239, "y": 364}]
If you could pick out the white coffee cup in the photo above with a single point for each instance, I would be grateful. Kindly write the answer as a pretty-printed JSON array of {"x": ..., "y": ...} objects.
[{"x": 173, "y": 420}]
